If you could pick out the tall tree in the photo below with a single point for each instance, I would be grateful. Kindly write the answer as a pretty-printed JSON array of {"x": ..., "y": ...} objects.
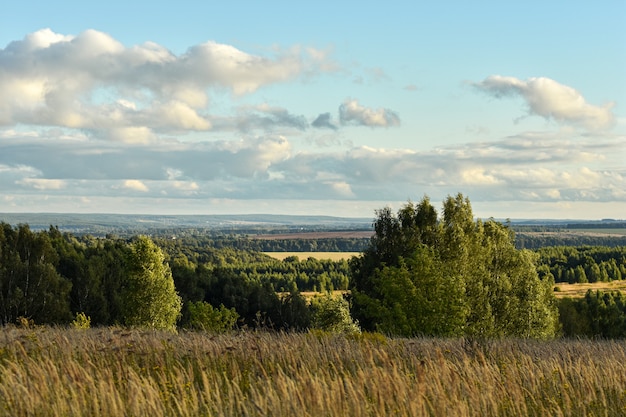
[{"x": 149, "y": 298}]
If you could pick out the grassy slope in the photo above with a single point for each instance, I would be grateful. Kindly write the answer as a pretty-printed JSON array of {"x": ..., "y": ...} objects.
[{"x": 116, "y": 372}]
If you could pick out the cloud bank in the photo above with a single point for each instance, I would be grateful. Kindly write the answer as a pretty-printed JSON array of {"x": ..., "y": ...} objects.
[
  {"x": 531, "y": 167},
  {"x": 85, "y": 119}
]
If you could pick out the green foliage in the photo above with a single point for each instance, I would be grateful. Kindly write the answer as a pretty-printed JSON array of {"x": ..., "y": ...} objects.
[
  {"x": 332, "y": 314},
  {"x": 96, "y": 269},
  {"x": 420, "y": 275},
  {"x": 417, "y": 297},
  {"x": 451, "y": 276},
  {"x": 203, "y": 316},
  {"x": 284, "y": 276},
  {"x": 295, "y": 313},
  {"x": 30, "y": 285},
  {"x": 584, "y": 263},
  {"x": 149, "y": 298},
  {"x": 81, "y": 321},
  {"x": 539, "y": 241},
  {"x": 597, "y": 314}
]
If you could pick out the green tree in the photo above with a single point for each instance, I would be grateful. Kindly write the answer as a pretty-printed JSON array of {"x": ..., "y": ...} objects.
[
  {"x": 448, "y": 276},
  {"x": 149, "y": 298},
  {"x": 30, "y": 285},
  {"x": 332, "y": 314},
  {"x": 419, "y": 296}
]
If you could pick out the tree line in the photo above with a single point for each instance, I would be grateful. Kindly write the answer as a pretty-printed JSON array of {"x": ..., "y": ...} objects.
[
  {"x": 524, "y": 240},
  {"x": 583, "y": 264},
  {"x": 420, "y": 274}
]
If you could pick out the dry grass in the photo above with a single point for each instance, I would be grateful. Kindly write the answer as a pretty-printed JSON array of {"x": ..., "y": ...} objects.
[
  {"x": 563, "y": 289},
  {"x": 346, "y": 234},
  {"x": 119, "y": 372},
  {"x": 333, "y": 256}
]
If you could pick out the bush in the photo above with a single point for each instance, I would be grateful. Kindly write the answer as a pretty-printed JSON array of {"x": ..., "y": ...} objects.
[
  {"x": 203, "y": 316},
  {"x": 332, "y": 314},
  {"x": 81, "y": 321}
]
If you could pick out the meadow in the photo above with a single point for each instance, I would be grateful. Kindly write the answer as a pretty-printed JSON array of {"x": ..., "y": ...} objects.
[
  {"x": 125, "y": 372},
  {"x": 333, "y": 256},
  {"x": 563, "y": 289}
]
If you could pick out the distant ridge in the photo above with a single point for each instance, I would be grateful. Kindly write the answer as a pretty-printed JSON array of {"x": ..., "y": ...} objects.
[
  {"x": 106, "y": 223},
  {"x": 100, "y": 224}
]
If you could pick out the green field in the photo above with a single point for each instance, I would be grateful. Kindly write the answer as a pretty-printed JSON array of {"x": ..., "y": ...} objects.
[
  {"x": 121, "y": 372},
  {"x": 333, "y": 256}
]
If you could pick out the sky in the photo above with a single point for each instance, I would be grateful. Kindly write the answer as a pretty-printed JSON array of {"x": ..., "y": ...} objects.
[{"x": 317, "y": 108}]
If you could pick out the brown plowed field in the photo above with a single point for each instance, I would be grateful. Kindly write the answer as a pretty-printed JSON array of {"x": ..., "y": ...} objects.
[{"x": 349, "y": 234}]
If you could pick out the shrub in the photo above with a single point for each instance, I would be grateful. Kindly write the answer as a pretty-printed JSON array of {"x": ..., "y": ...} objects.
[
  {"x": 203, "y": 316},
  {"x": 332, "y": 314},
  {"x": 81, "y": 321}
]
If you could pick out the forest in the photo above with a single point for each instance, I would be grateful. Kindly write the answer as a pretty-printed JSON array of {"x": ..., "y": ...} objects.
[{"x": 419, "y": 274}]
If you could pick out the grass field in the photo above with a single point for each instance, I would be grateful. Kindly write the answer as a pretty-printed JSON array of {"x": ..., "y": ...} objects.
[
  {"x": 599, "y": 231},
  {"x": 333, "y": 256},
  {"x": 572, "y": 233},
  {"x": 563, "y": 289},
  {"x": 121, "y": 372}
]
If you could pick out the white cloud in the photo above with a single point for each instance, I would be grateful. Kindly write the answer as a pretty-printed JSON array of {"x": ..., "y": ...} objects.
[
  {"x": 478, "y": 176},
  {"x": 352, "y": 112},
  {"x": 547, "y": 98},
  {"x": 177, "y": 115},
  {"x": 42, "y": 183},
  {"x": 342, "y": 189},
  {"x": 185, "y": 185},
  {"x": 59, "y": 80},
  {"x": 133, "y": 135},
  {"x": 19, "y": 170},
  {"x": 135, "y": 185}
]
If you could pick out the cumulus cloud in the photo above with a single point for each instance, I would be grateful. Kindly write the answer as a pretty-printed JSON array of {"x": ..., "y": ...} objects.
[
  {"x": 550, "y": 99},
  {"x": 92, "y": 81},
  {"x": 351, "y": 112}
]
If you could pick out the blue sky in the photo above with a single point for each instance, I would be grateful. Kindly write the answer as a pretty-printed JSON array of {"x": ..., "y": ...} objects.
[{"x": 335, "y": 108}]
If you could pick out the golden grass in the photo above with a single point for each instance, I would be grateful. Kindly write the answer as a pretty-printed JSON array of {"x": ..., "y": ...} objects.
[
  {"x": 120, "y": 372},
  {"x": 563, "y": 289},
  {"x": 333, "y": 256}
]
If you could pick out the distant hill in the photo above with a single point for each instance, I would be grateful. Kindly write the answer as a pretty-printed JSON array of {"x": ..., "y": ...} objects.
[
  {"x": 531, "y": 233},
  {"x": 97, "y": 224}
]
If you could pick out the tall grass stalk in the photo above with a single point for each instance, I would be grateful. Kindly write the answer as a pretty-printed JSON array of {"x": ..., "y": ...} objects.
[{"x": 120, "y": 372}]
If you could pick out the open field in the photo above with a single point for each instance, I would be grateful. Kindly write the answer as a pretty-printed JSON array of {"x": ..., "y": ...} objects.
[
  {"x": 573, "y": 233},
  {"x": 598, "y": 232},
  {"x": 121, "y": 372},
  {"x": 333, "y": 256},
  {"x": 563, "y": 289},
  {"x": 349, "y": 234}
]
